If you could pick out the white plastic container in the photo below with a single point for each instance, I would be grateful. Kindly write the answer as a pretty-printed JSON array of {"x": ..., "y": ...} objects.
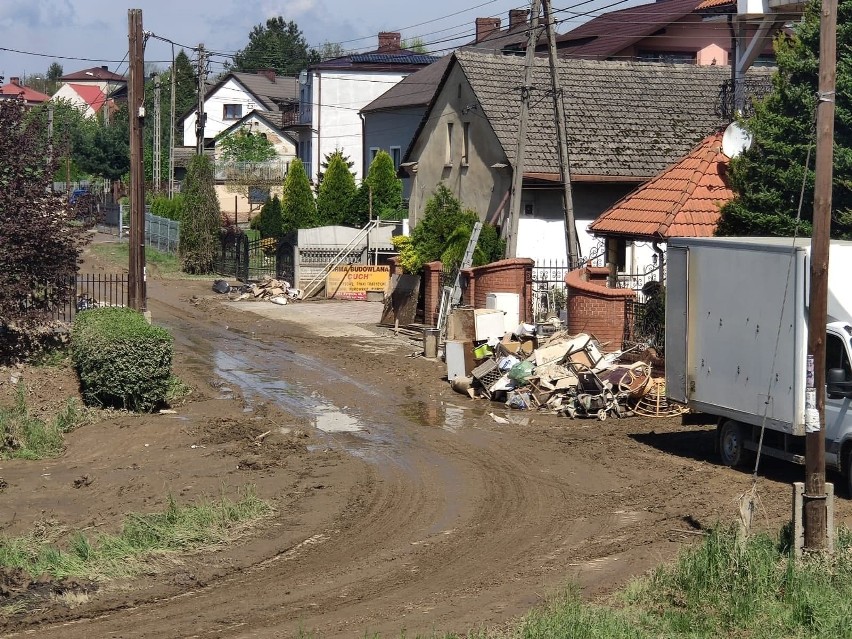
[{"x": 510, "y": 304}]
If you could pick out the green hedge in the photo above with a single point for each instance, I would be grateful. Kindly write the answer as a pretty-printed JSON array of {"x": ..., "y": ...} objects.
[{"x": 122, "y": 360}]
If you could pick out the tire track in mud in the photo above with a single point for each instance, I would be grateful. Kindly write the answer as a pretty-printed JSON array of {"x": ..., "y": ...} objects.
[{"x": 451, "y": 529}]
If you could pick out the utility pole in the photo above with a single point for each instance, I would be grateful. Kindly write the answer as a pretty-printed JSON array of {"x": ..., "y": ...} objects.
[
  {"x": 200, "y": 116},
  {"x": 571, "y": 242},
  {"x": 815, "y": 514},
  {"x": 518, "y": 173},
  {"x": 50, "y": 106},
  {"x": 172, "y": 130},
  {"x": 158, "y": 151},
  {"x": 136, "y": 109}
]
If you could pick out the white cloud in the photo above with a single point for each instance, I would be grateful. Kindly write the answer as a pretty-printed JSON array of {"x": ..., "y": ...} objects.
[{"x": 34, "y": 14}]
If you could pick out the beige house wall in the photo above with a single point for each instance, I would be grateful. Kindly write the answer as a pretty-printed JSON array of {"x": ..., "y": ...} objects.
[{"x": 476, "y": 182}]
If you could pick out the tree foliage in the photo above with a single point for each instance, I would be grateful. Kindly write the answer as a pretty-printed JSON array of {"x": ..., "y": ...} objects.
[
  {"x": 298, "y": 208},
  {"x": 385, "y": 188},
  {"x": 201, "y": 217},
  {"x": 39, "y": 243},
  {"x": 279, "y": 44},
  {"x": 336, "y": 190},
  {"x": 767, "y": 179},
  {"x": 415, "y": 44},
  {"x": 270, "y": 221},
  {"x": 103, "y": 150},
  {"x": 244, "y": 146},
  {"x": 443, "y": 234}
]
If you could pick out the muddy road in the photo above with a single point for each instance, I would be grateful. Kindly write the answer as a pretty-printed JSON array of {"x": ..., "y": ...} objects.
[{"x": 414, "y": 509}]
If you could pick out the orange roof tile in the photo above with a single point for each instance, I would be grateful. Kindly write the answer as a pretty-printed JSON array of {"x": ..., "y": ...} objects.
[
  {"x": 682, "y": 201},
  {"x": 712, "y": 4}
]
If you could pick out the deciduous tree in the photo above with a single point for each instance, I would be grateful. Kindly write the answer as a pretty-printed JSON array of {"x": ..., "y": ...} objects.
[
  {"x": 39, "y": 243},
  {"x": 767, "y": 179}
]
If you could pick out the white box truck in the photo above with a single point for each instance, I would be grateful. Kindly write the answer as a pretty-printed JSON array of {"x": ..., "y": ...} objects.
[{"x": 737, "y": 338}]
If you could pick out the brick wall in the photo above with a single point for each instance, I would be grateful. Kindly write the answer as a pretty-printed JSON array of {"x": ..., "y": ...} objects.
[
  {"x": 594, "y": 308},
  {"x": 431, "y": 284},
  {"x": 505, "y": 276}
]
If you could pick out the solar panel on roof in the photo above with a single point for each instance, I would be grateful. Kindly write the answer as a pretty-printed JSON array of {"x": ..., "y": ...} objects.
[{"x": 390, "y": 58}]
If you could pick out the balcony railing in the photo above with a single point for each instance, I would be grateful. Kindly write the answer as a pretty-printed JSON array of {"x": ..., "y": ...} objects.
[{"x": 272, "y": 171}]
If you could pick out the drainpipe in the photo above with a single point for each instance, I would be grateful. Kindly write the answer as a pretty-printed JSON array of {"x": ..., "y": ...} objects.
[
  {"x": 317, "y": 153},
  {"x": 661, "y": 269},
  {"x": 364, "y": 145}
]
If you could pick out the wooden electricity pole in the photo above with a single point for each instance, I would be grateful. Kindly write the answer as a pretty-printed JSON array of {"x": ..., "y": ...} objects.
[
  {"x": 136, "y": 109},
  {"x": 815, "y": 514},
  {"x": 200, "y": 116},
  {"x": 518, "y": 173},
  {"x": 571, "y": 242}
]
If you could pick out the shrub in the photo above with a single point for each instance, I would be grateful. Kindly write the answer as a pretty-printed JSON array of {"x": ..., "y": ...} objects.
[
  {"x": 122, "y": 360},
  {"x": 199, "y": 227},
  {"x": 171, "y": 209},
  {"x": 298, "y": 208}
]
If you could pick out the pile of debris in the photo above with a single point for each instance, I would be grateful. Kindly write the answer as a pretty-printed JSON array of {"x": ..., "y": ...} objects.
[
  {"x": 267, "y": 289},
  {"x": 569, "y": 375}
]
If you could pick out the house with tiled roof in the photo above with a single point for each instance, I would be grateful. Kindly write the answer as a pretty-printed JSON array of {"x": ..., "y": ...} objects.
[
  {"x": 626, "y": 122},
  {"x": 14, "y": 89},
  {"x": 684, "y": 200},
  {"x": 234, "y": 96},
  {"x": 332, "y": 93},
  {"x": 89, "y": 99},
  {"x": 391, "y": 120},
  {"x": 101, "y": 77}
]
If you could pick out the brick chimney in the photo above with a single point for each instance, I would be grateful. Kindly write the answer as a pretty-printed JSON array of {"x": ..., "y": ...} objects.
[
  {"x": 485, "y": 27},
  {"x": 15, "y": 80},
  {"x": 389, "y": 40},
  {"x": 518, "y": 17},
  {"x": 269, "y": 74}
]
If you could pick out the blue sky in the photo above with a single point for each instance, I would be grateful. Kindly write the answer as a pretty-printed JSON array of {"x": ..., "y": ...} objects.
[{"x": 97, "y": 29}]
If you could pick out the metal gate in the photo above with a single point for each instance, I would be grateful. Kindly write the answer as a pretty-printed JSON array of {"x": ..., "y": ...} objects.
[{"x": 250, "y": 260}]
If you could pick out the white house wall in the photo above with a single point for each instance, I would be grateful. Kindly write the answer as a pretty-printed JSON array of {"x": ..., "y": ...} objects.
[
  {"x": 229, "y": 93},
  {"x": 337, "y": 98},
  {"x": 68, "y": 94}
]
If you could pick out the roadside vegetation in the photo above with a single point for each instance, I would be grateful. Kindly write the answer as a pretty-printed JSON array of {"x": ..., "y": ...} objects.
[
  {"x": 165, "y": 265},
  {"x": 144, "y": 540},
  {"x": 25, "y": 436}
]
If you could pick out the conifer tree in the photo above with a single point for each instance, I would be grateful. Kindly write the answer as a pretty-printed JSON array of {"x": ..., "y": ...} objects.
[
  {"x": 298, "y": 208},
  {"x": 767, "y": 178},
  {"x": 385, "y": 188},
  {"x": 335, "y": 191},
  {"x": 201, "y": 221},
  {"x": 270, "y": 224}
]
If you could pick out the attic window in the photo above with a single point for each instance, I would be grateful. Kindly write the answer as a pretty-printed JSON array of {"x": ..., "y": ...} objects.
[{"x": 232, "y": 111}]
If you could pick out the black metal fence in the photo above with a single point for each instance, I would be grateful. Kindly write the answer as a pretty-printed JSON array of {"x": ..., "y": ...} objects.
[
  {"x": 93, "y": 290},
  {"x": 249, "y": 260}
]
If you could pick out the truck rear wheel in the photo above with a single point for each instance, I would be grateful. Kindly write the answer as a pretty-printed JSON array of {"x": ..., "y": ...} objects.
[{"x": 732, "y": 438}]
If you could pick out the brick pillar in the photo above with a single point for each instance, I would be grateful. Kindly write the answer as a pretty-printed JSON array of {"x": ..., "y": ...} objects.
[
  {"x": 596, "y": 309},
  {"x": 431, "y": 283}
]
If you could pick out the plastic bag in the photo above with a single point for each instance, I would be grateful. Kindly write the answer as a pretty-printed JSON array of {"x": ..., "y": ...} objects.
[{"x": 519, "y": 372}]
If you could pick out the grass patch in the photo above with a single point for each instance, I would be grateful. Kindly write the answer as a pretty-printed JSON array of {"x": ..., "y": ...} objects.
[
  {"x": 165, "y": 265},
  {"x": 144, "y": 539},
  {"x": 177, "y": 390},
  {"x": 24, "y": 436}
]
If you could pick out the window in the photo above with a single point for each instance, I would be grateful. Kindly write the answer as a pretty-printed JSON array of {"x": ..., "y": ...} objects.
[
  {"x": 374, "y": 151},
  {"x": 835, "y": 355},
  {"x": 396, "y": 156},
  {"x": 449, "y": 159},
  {"x": 232, "y": 111},
  {"x": 465, "y": 143},
  {"x": 670, "y": 57}
]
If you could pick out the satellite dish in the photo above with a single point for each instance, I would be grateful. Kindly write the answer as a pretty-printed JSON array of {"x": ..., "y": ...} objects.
[{"x": 735, "y": 140}]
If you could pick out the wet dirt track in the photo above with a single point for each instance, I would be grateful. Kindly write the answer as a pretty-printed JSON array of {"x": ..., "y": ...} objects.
[{"x": 451, "y": 522}]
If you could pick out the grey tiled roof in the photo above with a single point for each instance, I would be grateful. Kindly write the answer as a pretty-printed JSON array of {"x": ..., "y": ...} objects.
[
  {"x": 625, "y": 119},
  {"x": 284, "y": 87},
  {"x": 413, "y": 90}
]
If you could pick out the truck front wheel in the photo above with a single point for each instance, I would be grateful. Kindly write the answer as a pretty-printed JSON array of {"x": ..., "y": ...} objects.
[{"x": 732, "y": 438}]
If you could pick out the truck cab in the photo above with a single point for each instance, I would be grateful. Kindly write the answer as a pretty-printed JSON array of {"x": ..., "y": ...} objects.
[{"x": 838, "y": 417}]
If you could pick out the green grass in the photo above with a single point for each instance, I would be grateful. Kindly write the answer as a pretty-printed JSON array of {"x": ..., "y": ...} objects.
[
  {"x": 166, "y": 265},
  {"x": 719, "y": 588},
  {"x": 177, "y": 390},
  {"x": 144, "y": 540},
  {"x": 24, "y": 436}
]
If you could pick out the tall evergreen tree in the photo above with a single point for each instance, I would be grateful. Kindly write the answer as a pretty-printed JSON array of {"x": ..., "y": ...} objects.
[
  {"x": 271, "y": 220},
  {"x": 298, "y": 208},
  {"x": 279, "y": 44},
  {"x": 767, "y": 178},
  {"x": 335, "y": 191},
  {"x": 201, "y": 217},
  {"x": 386, "y": 189}
]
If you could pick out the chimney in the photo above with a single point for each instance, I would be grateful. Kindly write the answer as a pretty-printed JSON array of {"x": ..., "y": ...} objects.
[
  {"x": 15, "y": 80},
  {"x": 518, "y": 17},
  {"x": 269, "y": 74},
  {"x": 105, "y": 68},
  {"x": 389, "y": 40},
  {"x": 485, "y": 27}
]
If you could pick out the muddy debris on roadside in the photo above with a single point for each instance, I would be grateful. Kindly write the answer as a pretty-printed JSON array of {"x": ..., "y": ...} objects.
[{"x": 267, "y": 289}]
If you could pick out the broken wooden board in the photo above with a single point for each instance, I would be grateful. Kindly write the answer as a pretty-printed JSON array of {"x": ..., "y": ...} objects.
[{"x": 401, "y": 300}]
